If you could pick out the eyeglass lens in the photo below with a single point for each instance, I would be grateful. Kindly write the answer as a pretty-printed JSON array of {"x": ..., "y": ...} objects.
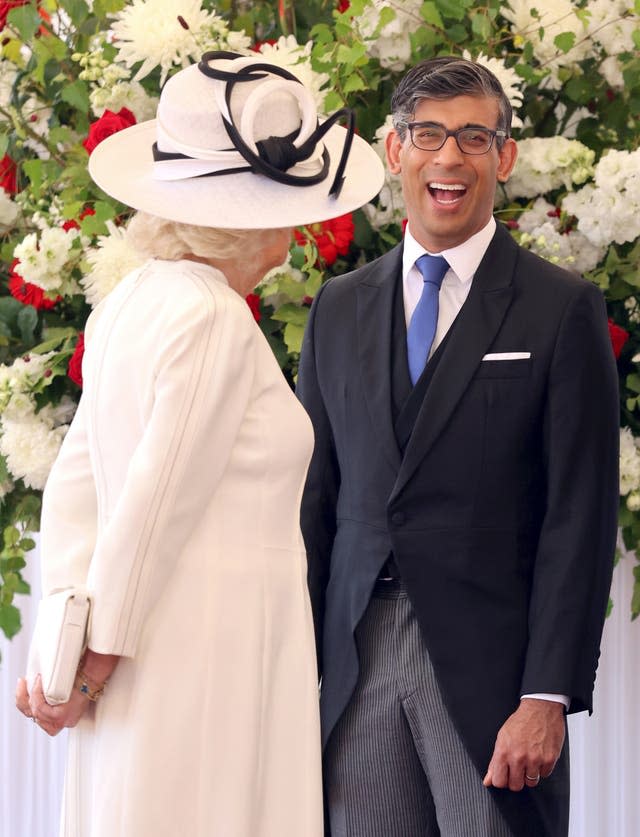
[{"x": 470, "y": 140}]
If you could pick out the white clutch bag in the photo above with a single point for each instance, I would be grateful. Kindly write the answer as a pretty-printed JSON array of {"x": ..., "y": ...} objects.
[{"x": 58, "y": 642}]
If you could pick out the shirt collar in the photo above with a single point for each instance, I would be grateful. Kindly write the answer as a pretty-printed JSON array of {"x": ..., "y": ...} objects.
[{"x": 463, "y": 259}]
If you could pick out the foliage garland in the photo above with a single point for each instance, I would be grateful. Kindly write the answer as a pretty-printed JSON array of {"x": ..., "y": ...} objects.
[{"x": 73, "y": 71}]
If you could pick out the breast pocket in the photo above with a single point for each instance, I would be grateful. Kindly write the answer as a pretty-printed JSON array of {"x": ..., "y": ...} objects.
[{"x": 520, "y": 368}]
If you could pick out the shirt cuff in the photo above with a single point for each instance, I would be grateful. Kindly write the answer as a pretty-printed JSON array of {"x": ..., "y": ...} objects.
[{"x": 556, "y": 698}]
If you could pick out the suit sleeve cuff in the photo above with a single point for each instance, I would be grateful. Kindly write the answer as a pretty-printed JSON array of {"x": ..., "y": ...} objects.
[{"x": 544, "y": 696}]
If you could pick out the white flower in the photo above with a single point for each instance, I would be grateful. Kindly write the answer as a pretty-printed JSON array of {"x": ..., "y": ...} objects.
[
  {"x": 42, "y": 259},
  {"x": 541, "y": 22},
  {"x": 30, "y": 446},
  {"x": 629, "y": 462},
  {"x": 153, "y": 32},
  {"x": 572, "y": 250},
  {"x": 110, "y": 261},
  {"x": 611, "y": 71},
  {"x": 609, "y": 209},
  {"x": 391, "y": 44},
  {"x": 389, "y": 208},
  {"x": 611, "y": 23},
  {"x": 296, "y": 58},
  {"x": 8, "y": 212},
  {"x": 547, "y": 163},
  {"x": 633, "y": 501},
  {"x": 510, "y": 81},
  {"x": 124, "y": 94},
  {"x": 37, "y": 115}
]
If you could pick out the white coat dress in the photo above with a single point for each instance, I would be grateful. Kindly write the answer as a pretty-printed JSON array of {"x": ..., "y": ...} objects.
[{"x": 175, "y": 498}]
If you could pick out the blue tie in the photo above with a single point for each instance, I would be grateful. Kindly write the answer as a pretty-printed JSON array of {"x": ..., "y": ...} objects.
[{"x": 422, "y": 327}]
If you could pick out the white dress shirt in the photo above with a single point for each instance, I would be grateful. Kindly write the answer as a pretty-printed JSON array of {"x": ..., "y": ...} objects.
[{"x": 463, "y": 262}]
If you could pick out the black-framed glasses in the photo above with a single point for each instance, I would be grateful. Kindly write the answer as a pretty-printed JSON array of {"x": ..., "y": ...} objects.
[{"x": 431, "y": 136}]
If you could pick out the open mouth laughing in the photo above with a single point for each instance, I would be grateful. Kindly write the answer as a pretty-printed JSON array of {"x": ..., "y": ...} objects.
[{"x": 447, "y": 193}]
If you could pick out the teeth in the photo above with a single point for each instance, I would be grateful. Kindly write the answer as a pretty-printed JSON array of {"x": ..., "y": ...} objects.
[{"x": 448, "y": 187}]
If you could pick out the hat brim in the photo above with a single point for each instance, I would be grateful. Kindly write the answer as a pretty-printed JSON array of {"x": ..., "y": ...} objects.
[{"x": 122, "y": 165}]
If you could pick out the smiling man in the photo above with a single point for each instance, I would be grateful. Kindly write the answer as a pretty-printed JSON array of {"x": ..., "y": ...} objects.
[{"x": 461, "y": 505}]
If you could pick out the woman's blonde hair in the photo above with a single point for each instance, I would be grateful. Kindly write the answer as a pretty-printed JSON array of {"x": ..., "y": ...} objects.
[{"x": 160, "y": 238}]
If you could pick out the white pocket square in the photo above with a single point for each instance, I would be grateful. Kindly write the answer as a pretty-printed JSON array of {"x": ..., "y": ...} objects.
[{"x": 507, "y": 356}]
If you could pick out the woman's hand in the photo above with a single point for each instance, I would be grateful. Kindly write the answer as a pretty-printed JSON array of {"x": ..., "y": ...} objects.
[
  {"x": 96, "y": 668},
  {"x": 51, "y": 719}
]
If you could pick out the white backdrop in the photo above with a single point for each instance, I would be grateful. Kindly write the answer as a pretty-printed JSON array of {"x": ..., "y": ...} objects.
[{"x": 604, "y": 748}]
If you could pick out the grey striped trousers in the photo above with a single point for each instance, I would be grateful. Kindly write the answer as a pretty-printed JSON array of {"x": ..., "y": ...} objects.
[{"x": 395, "y": 765}]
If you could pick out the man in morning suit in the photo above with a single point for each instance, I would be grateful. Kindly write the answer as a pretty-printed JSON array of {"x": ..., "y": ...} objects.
[{"x": 461, "y": 506}]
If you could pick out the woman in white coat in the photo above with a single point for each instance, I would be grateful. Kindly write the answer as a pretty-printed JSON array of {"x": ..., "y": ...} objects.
[{"x": 176, "y": 493}]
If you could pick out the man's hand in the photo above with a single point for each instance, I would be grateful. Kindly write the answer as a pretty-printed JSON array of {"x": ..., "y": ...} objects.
[{"x": 527, "y": 746}]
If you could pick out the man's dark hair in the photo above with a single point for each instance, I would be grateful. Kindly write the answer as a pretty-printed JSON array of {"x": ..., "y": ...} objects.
[{"x": 444, "y": 78}]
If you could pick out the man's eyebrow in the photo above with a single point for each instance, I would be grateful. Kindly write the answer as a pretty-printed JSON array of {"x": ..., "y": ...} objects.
[{"x": 426, "y": 122}]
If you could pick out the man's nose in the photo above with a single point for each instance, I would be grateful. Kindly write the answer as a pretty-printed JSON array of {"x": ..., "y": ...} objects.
[{"x": 449, "y": 153}]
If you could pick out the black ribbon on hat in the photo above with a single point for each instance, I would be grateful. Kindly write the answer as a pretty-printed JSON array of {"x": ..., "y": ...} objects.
[{"x": 275, "y": 154}]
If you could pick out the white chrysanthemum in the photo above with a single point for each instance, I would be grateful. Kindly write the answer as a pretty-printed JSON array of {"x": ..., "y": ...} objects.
[
  {"x": 290, "y": 55},
  {"x": 43, "y": 258},
  {"x": 30, "y": 446},
  {"x": 110, "y": 261},
  {"x": 149, "y": 31},
  {"x": 391, "y": 44},
  {"x": 609, "y": 209},
  {"x": 510, "y": 81},
  {"x": 124, "y": 94},
  {"x": 541, "y": 22},
  {"x": 548, "y": 163},
  {"x": 629, "y": 462},
  {"x": 611, "y": 23},
  {"x": 389, "y": 207},
  {"x": 8, "y": 212}
]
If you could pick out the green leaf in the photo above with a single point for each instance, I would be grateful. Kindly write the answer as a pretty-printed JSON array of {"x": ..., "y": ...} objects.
[
  {"x": 633, "y": 382},
  {"x": 333, "y": 101},
  {"x": 481, "y": 26},
  {"x": 34, "y": 169},
  {"x": 10, "y": 622},
  {"x": 11, "y": 536},
  {"x": 25, "y": 19},
  {"x": 293, "y": 335},
  {"x": 565, "y": 41},
  {"x": 293, "y": 314},
  {"x": 353, "y": 83},
  {"x": 453, "y": 9},
  {"x": 77, "y": 95},
  {"x": 77, "y": 10},
  {"x": 430, "y": 14},
  {"x": 27, "y": 323}
]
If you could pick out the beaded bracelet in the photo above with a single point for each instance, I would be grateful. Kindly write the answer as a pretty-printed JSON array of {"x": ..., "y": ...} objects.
[{"x": 85, "y": 684}]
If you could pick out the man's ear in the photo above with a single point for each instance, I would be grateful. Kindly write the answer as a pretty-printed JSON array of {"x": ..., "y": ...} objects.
[
  {"x": 393, "y": 147},
  {"x": 507, "y": 157}
]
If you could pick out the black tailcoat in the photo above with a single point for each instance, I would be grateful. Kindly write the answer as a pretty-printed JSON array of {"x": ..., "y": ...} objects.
[{"x": 501, "y": 513}]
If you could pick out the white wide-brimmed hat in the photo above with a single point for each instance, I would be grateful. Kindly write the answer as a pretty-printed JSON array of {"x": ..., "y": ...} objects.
[{"x": 236, "y": 143}]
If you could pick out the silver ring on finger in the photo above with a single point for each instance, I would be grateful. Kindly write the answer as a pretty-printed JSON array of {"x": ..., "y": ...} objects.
[{"x": 535, "y": 779}]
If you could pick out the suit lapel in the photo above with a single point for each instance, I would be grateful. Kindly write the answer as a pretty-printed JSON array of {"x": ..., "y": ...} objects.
[
  {"x": 374, "y": 318},
  {"x": 476, "y": 327}
]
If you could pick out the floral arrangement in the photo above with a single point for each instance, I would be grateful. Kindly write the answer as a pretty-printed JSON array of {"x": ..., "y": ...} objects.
[{"x": 73, "y": 72}]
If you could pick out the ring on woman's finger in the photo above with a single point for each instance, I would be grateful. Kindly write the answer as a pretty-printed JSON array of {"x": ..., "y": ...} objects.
[{"x": 532, "y": 778}]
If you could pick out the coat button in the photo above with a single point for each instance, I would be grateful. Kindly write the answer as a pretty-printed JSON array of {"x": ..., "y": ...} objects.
[{"x": 398, "y": 518}]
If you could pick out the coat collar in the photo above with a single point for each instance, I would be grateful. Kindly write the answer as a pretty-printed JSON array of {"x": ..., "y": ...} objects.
[{"x": 478, "y": 322}]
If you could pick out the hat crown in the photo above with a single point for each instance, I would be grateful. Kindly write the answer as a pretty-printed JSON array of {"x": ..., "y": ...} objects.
[{"x": 191, "y": 108}]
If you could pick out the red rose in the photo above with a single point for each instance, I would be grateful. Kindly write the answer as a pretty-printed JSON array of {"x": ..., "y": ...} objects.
[
  {"x": 5, "y": 8},
  {"x": 74, "y": 370},
  {"x": 72, "y": 224},
  {"x": 343, "y": 5},
  {"x": 109, "y": 123},
  {"x": 618, "y": 337},
  {"x": 8, "y": 178},
  {"x": 332, "y": 238},
  {"x": 27, "y": 293},
  {"x": 253, "y": 301}
]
